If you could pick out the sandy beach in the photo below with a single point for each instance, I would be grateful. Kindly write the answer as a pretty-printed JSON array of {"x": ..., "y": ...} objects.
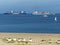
[{"x": 37, "y": 39}]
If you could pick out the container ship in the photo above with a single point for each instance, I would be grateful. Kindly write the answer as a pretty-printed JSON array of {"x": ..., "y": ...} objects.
[
  {"x": 42, "y": 13},
  {"x": 15, "y": 12}
]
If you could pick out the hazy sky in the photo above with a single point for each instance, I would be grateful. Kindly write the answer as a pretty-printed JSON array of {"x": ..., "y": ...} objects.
[{"x": 30, "y": 5}]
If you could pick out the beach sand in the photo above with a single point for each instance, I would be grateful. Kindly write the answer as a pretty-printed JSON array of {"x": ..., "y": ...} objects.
[{"x": 37, "y": 38}]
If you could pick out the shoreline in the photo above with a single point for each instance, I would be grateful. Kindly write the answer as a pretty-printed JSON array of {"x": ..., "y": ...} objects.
[
  {"x": 27, "y": 33},
  {"x": 37, "y": 39}
]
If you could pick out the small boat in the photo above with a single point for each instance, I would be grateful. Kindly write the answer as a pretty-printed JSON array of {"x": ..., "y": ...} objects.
[
  {"x": 55, "y": 19},
  {"x": 45, "y": 16}
]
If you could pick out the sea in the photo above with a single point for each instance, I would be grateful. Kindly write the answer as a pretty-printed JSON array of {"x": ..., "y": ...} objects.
[{"x": 28, "y": 23}]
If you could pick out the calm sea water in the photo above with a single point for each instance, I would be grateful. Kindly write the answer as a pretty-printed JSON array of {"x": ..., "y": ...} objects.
[{"x": 29, "y": 23}]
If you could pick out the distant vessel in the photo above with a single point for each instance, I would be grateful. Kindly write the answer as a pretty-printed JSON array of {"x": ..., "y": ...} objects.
[
  {"x": 15, "y": 12},
  {"x": 45, "y": 15},
  {"x": 36, "y": 13},
  {"x": 55, "y": 19},
  {"x": 23, "y": 12},
  {"x": 42, "y": 13},
  {"x": 33, "y": 13}
]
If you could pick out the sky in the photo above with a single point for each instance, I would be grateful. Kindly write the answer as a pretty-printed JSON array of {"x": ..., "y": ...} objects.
[{"x": 30, "y": 5}]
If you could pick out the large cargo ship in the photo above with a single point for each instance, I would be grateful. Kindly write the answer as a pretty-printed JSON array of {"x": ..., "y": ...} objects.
[
  {"x": 15, "y": 12},
  {"x": 42, "y": 13}
]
